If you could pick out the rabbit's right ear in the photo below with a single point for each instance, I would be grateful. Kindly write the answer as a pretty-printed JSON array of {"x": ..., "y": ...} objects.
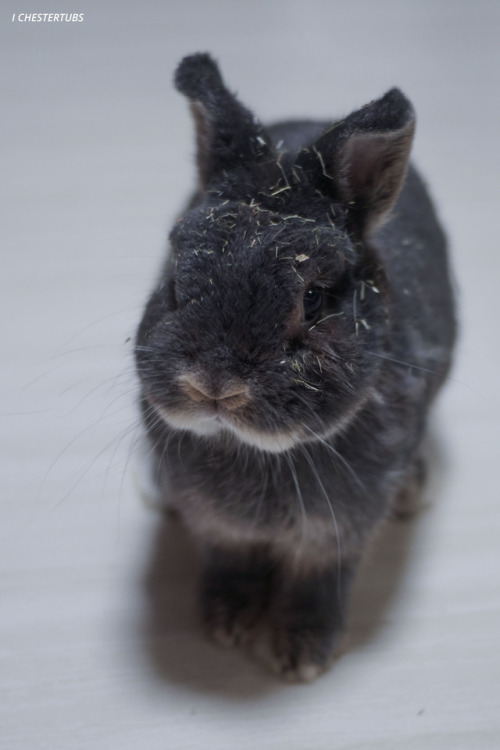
[
  {"x": 362, "y": 160},
  {"x": 228, "y": 135}
]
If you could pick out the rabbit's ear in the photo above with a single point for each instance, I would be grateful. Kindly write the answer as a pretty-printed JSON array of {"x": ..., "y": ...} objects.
[
  {"x": 362, "y": 160},
  {"x": 228, "y": 135}
]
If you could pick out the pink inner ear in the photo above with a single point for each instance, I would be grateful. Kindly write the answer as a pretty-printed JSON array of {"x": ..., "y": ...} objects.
[
  {"x": 365, "y": 158},
  {"x": 374, "y": 168}
]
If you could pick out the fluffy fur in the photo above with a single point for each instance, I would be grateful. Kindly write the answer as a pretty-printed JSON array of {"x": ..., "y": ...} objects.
[{"x": 298, "y": 334}]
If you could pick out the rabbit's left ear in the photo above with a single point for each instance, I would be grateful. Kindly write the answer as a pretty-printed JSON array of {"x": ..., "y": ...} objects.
[
  {"x": 228, "y": 135},
  {"x": 362, "y": 160}
]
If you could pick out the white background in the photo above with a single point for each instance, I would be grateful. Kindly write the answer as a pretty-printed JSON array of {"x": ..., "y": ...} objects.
[{"x": 99, "y": 641}]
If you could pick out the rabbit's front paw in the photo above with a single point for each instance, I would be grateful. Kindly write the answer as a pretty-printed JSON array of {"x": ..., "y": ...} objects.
[
  {"x": 234, "y": 596},
  {"x": 231, "y": 620},
  {"x": 306, "y": 621},
  {"x": 298, "y": 655},
  {"x": 408, "y": 499}
]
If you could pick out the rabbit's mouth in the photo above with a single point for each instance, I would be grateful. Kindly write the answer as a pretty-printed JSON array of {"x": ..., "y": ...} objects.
[{"x": 213, "y": 422}]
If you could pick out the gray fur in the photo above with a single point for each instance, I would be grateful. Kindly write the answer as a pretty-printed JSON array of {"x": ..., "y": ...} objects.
[{"x": 282, "y": 440}]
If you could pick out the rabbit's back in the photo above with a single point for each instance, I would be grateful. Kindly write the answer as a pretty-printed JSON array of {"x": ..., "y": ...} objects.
[{"x": 413, "y": 251}]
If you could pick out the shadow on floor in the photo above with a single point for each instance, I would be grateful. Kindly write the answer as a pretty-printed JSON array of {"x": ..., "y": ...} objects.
[
  {"x": 173, "y": 639},
  {"x": 381, "y": 575},
  {"x": 175, "y": 644}
]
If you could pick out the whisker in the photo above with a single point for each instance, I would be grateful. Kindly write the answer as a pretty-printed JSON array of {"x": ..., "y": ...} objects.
[
  {"x": 130, "y": 308},
  {"x": 338, "y": 455},
  {"x": 298, "y": 491},
  {"x": 405, "y": 364},
  {"x": 431, "y": 372},
  {"x": 332, "y": 512},
  {"x": 91, "y": 463}
]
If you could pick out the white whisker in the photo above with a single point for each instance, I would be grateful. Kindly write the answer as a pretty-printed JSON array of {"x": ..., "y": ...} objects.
[
  {"x": 338, "y": 455},
  {"x": 332, "y": 512}
]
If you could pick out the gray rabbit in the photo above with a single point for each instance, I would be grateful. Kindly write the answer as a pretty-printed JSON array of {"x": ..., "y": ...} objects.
[{"x": 299, "y": 332}]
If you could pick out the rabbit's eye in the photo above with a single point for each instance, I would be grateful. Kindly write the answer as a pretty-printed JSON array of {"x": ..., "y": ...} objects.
[{"x": 313, "y": 300}]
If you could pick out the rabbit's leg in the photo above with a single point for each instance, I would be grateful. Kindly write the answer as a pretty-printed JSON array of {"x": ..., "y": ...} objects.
[
  {"x": 408, "y": 499},
  {"x": 306, "y": 621},
  {"x": 235, "y": 590}
]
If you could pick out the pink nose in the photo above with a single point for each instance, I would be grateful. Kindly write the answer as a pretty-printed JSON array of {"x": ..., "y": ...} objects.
[{"x": 231, "y": 395}]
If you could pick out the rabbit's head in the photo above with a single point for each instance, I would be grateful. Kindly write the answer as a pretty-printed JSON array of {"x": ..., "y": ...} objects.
[{"x": 272, "y": 302}]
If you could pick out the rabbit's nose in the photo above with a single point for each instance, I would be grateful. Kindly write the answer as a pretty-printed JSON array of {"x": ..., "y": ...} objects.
[{"x": 230, "y": 395}]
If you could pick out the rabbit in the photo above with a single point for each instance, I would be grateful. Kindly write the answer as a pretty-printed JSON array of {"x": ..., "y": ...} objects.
[{"x": 300, "y": 329}]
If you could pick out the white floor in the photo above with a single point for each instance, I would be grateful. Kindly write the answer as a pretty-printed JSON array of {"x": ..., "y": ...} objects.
[{"x": 100, "y": 646}]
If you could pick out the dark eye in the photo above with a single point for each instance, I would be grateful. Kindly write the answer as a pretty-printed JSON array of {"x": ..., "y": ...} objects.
[{"x": 313, "y": 300}]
